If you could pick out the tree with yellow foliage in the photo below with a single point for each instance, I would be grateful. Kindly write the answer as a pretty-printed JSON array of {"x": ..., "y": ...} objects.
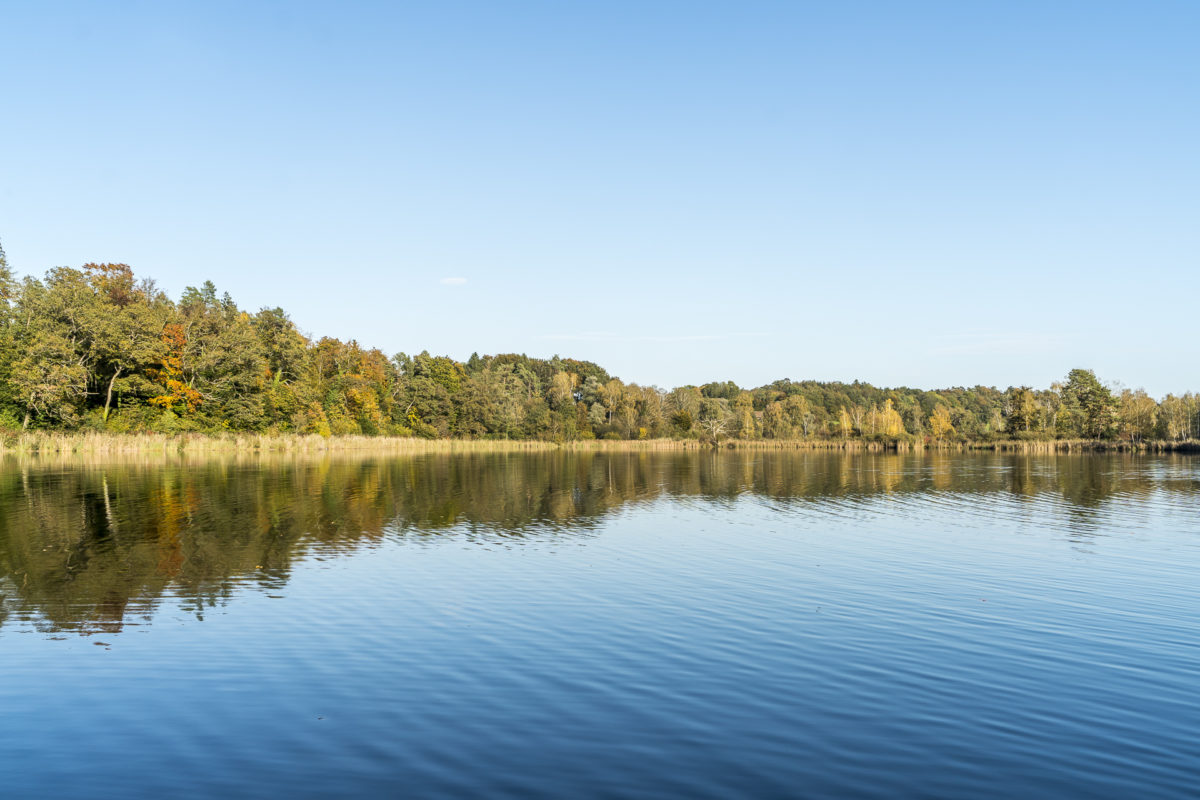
[
  {"x": 890, "y": 423},
  {"x": 845, "y": 423},
  {"x": 939, "y": 423}
]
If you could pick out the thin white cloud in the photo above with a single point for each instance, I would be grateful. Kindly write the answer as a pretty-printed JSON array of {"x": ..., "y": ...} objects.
[{"x": 453, "y": 281}]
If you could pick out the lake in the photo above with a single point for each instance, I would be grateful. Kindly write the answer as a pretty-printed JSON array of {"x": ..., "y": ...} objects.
[{"x": 691, "y": 624}]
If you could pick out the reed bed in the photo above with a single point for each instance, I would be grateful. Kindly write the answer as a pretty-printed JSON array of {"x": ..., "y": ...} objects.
[
  {"x": 1083, "y": 446},
  {"x": 914, "y": 445},
  {"x": 199, "y": 445},
  {"x": 195, "y": 444}
]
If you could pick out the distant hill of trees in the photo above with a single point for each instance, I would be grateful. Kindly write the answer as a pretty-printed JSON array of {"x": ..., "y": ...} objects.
[{"x": 96, "y": 348}]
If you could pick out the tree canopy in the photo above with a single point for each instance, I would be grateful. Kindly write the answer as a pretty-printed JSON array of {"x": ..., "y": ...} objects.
[{"x": 98, "y": 348}]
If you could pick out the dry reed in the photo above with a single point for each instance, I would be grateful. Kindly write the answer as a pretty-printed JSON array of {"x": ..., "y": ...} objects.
[{"x": 40, "y": 442}]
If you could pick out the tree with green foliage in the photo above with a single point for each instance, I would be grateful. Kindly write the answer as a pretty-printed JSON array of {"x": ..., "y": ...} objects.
[
  {"x": 1137, "y": 415},
  {"x": 54, "y": 354},
  {"x": 1089, "y": 405},
  {"x": 8, "y": 349},
  {"x": 1024, "y": 412},
  {"x": 127, "y": 319},
  {"x": 223, "y": 359},
  {"x": 96, "y": 347}
]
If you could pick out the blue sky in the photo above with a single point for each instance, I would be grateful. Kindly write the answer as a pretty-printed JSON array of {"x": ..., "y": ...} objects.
[{"x": 923, "y": 194}]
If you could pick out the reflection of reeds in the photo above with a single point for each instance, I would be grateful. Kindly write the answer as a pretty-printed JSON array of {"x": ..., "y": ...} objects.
[
  {"x": 881, "y": 446},
  {"x": 849, "y": 445}
]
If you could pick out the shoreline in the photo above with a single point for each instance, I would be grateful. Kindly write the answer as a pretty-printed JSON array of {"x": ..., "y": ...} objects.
[{"x": 26, "y": 443}]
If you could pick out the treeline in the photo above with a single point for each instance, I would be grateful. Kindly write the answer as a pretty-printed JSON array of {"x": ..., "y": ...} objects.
[{"x": 96, "y": 348}]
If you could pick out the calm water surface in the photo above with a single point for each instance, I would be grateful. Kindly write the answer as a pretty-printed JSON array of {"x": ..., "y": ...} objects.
[{"x": 590, "y": 625}]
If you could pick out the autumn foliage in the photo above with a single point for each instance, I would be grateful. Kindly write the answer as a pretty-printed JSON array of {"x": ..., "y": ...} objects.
[
  {"x": 98, "y": 348},
  {"x": 177, "y": 396}
]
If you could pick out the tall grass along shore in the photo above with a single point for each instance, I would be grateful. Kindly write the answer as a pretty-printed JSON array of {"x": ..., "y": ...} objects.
[{"x": 92, "y": 443}]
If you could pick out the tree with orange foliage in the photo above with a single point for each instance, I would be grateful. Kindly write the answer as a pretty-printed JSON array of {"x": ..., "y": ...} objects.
[{"x": 178, "y": 396}]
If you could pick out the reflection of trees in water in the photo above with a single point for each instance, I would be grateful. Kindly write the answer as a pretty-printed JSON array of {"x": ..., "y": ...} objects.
[{"x": 90, "y": 547}]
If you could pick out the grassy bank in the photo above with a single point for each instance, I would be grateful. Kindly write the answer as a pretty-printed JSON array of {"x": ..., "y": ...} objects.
[{"x": 199, "y": 444}]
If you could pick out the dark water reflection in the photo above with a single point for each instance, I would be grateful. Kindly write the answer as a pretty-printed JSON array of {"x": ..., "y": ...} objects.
[
  {"x": 728, "y": 624},
  {"x": 84, "y": 546}
]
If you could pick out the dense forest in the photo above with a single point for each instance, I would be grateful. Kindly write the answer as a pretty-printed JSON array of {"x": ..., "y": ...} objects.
[{"x": 97, "y": 348}]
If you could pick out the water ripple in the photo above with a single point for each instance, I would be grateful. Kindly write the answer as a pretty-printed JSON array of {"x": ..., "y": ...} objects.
[{"x": 706, "y": 626}]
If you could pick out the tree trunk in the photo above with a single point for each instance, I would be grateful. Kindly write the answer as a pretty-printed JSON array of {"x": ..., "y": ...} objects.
[{"x": 108, "y": 398}]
